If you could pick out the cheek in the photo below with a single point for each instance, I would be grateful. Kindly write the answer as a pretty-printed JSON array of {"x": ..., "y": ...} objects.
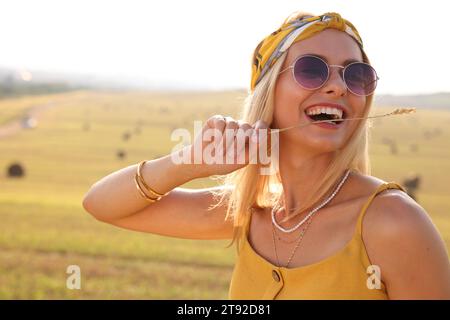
[
  {"x": 288, "y": 98},
  {"x": 357, "y": 104}
]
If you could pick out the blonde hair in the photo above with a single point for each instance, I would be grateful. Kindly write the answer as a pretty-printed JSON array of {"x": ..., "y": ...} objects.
[{"x": 245, "y": 188}]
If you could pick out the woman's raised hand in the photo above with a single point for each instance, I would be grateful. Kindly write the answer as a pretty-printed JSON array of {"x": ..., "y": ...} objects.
[{"x": 225, "y": 145}]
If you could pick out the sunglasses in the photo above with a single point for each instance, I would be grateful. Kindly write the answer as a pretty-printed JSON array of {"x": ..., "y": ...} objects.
[{"x": 312, "y": 72}]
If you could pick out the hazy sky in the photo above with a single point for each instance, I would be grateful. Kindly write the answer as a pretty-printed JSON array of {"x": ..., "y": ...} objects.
[{"x": 209, "y": 43}]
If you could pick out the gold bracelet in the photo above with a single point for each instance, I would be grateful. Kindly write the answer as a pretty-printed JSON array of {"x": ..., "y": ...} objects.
[
  {"x": 143, "y": 194},
  {"x": 139, "y": 174}
]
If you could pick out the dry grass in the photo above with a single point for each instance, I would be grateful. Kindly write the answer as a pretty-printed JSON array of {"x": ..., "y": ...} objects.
[{"x": 43, "y": 227}]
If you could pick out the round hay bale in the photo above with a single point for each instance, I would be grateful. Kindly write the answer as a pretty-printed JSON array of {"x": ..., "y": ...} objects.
[
  {"x": 121, "y": 154},
  {"x": 394, "y": 149},
  {"x": 16, "y": 170},
  {"x": 437, "y": 131},
  {"x": 126, "y": 136},
  {"x": 412, "y": 181},
  {"x": 412, "y": 184},
  {"x": 427, "y": 134}
]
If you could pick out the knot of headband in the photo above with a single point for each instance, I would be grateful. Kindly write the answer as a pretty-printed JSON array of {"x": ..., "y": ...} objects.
[{"x": 272, "y": 47}]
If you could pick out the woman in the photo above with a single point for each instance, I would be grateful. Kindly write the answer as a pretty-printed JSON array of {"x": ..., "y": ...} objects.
[{"x": 320, "y": 226}]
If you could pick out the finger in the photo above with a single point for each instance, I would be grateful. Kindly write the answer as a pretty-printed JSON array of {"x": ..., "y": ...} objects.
[
  {"x": 243, "y": 141},
  {"x": 259, "y": 125},
  {"x": 219, "y": 122},
  {"x": 244, "y": 131},
  {"x": 217, "y": 125},
  {"x": 262, "y": 139},
  {"x": 212, "y": 132},
  {"x": 230, "y": 134}
]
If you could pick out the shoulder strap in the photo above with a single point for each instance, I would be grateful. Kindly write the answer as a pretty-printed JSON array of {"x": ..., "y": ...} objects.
[{"x": 381, "y": 188}]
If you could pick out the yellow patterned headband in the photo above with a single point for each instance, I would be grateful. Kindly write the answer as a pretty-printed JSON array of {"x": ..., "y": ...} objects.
[{"x": 272, "y": 47}]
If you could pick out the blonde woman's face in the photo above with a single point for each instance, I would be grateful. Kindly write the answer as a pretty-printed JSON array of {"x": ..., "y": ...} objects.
[{"x": 291, "y": 100}]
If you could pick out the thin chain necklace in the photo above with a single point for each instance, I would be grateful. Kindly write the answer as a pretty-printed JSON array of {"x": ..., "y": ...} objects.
[
  {"x": 289, "y": 230},
  {"x": 289, "y": 241},
  {"x": 302, "y": 233}
]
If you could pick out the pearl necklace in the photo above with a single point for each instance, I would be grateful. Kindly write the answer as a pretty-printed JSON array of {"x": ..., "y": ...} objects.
[{"x": 275, "y": 223}]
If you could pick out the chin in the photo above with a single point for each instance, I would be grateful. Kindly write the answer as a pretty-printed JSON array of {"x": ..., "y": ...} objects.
[{"x": 321, "y": 145}]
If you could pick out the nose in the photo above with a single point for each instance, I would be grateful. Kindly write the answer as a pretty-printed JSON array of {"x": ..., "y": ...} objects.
[{"x": 335, "y": 84}]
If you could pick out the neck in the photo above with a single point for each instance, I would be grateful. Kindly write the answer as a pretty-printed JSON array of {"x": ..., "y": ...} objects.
[{"x": 299, "y": 172}]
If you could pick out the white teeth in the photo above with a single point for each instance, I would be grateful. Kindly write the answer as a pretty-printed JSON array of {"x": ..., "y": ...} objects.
[{"x": 327, "y": 110}]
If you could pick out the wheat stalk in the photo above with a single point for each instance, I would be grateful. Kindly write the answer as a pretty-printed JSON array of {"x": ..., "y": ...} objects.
[{"x": 395, "y": 112}]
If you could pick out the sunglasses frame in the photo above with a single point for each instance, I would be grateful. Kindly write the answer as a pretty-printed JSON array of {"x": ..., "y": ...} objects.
[{"x": 292, "y": 66}]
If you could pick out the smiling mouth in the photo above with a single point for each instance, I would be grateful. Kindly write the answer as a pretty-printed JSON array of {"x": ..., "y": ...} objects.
[{"x": 323, "y": 116}]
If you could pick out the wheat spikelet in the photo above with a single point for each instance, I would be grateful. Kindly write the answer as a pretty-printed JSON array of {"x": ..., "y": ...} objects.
[{"x": 402, "y": 111}]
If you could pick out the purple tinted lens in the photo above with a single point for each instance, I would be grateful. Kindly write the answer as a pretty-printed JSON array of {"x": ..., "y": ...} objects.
[
  {"x": 310, "y": 72},
  {"x": 360, "y": 78}
]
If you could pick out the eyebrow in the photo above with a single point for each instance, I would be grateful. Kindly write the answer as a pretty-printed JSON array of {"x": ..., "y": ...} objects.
[{"x": 345, "y": 62}]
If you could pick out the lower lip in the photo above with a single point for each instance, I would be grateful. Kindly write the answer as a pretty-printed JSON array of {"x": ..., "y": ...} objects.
[{"x": 325, "y": 125}]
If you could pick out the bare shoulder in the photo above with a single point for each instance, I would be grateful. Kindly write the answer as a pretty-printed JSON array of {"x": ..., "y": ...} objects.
[
  {"x": 393, "y": 214},
  {"x": 401, "y": 238}
]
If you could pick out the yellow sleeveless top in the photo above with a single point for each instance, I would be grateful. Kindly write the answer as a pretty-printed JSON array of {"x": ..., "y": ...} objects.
[{"x": 343, "y": 275}]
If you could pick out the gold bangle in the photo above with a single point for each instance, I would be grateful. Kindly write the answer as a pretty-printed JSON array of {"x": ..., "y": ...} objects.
[
  {"x": 143, "y": 194},
  {"x": 139, "y": 174}
]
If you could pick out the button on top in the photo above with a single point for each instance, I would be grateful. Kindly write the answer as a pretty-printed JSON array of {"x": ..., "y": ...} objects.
[{"x": 275, "y": 276}]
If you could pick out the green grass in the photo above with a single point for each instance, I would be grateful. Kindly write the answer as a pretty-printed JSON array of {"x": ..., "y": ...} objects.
[{"x": 44, "y": 229}]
